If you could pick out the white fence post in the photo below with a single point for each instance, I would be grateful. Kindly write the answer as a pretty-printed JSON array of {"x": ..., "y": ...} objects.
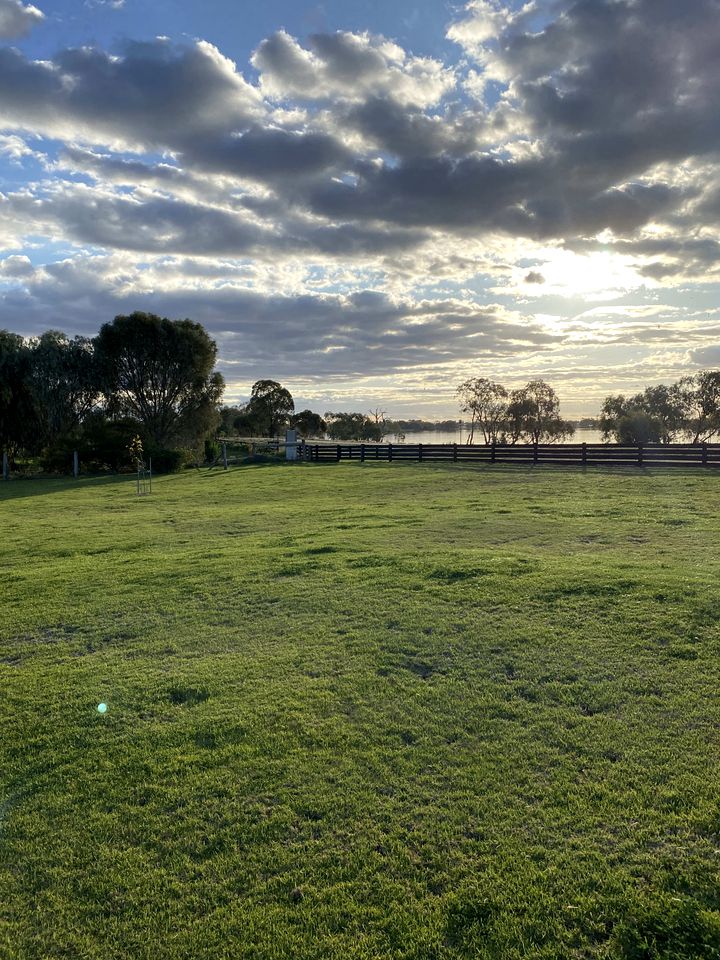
[{"x": 291, "y": 445}]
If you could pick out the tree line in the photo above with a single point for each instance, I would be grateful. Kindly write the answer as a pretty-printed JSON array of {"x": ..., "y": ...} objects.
[
  {"x": 141, "y": 375},
  {"x": 529, "y": 414},
  {"x": 687, "y": 410},
  {"x": 155, "y": 378}
]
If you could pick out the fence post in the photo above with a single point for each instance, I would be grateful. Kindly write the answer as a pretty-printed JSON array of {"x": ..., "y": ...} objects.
[
  {"x": 6, "y": 466},
  {"x": 584, "y": 452},
  {"x": 224, "y": 455},
  {"x": 76, "y": 464},
  {"x": 535, "y": 453},
  {"x": 704, "y": 454},
  {"x": 149, "y": 474},
  {"x": 389, "y": 451},
  {"x": 640, "y": 454},
  {"x": 338, "y": 451},
  {"x": 454, "y": 451},
  {"x": 362, "y": 452},
  {"x": 317, "y": 451},
  {"x": 419, "y": 451},
  {"x": 492, "y": 452}
]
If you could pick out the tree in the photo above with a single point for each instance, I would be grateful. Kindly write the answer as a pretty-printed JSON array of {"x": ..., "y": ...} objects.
[
  {"x": 16, "y": 405},
  {"x": 308, "y": 424},
  {"x": 269, "y": 409},
  {"x": 700, "y": 399},
  {"x": 486, "y": 402},
  {"x": 64, "y": 382},
  {"x": 228, "y": 416},
  {"x": 160, "y": 372},
  {"x": 379, "y": 419},
  {"x": 657, "y": 415},
  {"x": 637, "y": 426},
  {"x": 352, "y": 426},
  {"x": 533, "y": 413}
]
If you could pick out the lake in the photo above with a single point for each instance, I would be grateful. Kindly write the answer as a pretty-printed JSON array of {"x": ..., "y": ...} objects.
[{"x": 460, "y": 436}]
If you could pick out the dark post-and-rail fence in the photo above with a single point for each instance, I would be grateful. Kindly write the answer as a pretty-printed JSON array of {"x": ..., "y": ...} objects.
[{"x": 581, "y": 454}]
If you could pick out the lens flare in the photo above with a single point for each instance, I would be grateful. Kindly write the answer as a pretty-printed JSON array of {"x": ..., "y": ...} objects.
[{"x": 101, "y": 707}]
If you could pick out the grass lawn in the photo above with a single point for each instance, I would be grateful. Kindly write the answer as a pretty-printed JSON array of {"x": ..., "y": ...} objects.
[{"x": 361, "y": 711}]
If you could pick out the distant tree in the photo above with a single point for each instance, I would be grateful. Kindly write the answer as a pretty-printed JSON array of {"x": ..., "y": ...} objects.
[
  {"x": 16, "y": 403},
  {"x": 657, "y": 415},
  {"x": 64, "y": 382},
  {"x": 246, "y": 425},
  {"x": 613, "y": 408},
  {"x": 700, "y": 400},
  {"x": 533, "y": 414},
  {"x": 379, "y": 418},
  {"x": 638, "y": 426},
  {"x": 308, "y": 424},
  {"x": 160, "y": 372},
  {"x": 352, "y": 426},
  {"x": 228, "y": 416},
  {"x": 486, "y": 402},
  {"x": 269, "y": 409}
]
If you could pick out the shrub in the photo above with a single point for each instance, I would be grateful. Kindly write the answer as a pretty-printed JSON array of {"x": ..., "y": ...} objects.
[{"x": 169, "y": 461}]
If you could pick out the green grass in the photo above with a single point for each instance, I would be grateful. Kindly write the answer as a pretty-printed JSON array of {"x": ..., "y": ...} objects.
[{"x": 375, "y": 711}]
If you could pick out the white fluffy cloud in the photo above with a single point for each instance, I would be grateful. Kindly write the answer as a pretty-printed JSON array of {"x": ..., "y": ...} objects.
[
  {"x": 349, "y": 66},
  {"x": 17, "y": 19}
]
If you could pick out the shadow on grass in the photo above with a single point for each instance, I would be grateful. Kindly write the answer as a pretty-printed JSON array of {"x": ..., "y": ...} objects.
[{"x": 19, "y": 488}]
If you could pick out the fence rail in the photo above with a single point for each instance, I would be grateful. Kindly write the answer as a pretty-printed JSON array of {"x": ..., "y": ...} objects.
[{"x": 655, "y": 454}]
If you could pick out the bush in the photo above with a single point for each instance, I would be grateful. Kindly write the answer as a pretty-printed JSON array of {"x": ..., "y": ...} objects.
[
  {"x": 169, "y": 461},
  {"x": 105, "y": 443},
  {"x": 212, "y": 451}
]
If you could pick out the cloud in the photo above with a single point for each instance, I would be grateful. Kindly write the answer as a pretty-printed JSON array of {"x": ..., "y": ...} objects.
[
  {"x": 150, "y": 222},
  {"x": 337, "y": 335},
  {"x": 534, "y": 277},
  {"x": 14, "y": 148},
  {"x": 369, "y": 203},
  {"x": 16, "y": 267},
  {"x": 156, "y": 95},
  {"x": 706, "y": 356},
  {"x": 17, "y": 19},
  {"x": 349, "y": 66},
  {"x": 485, "y": 21}
]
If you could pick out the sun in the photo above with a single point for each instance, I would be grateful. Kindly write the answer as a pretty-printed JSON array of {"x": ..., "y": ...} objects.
[{"x": 592, "y": 276}]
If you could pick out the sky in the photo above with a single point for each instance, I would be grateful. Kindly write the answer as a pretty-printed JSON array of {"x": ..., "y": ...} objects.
[{"x": 372, "y": 202}]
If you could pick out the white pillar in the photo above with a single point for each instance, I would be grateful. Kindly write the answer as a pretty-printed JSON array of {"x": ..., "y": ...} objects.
[{"x": 291, "y": 445}]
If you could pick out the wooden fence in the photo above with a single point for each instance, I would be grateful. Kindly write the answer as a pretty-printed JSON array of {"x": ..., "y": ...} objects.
[{"x": 649, "y": 454}]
